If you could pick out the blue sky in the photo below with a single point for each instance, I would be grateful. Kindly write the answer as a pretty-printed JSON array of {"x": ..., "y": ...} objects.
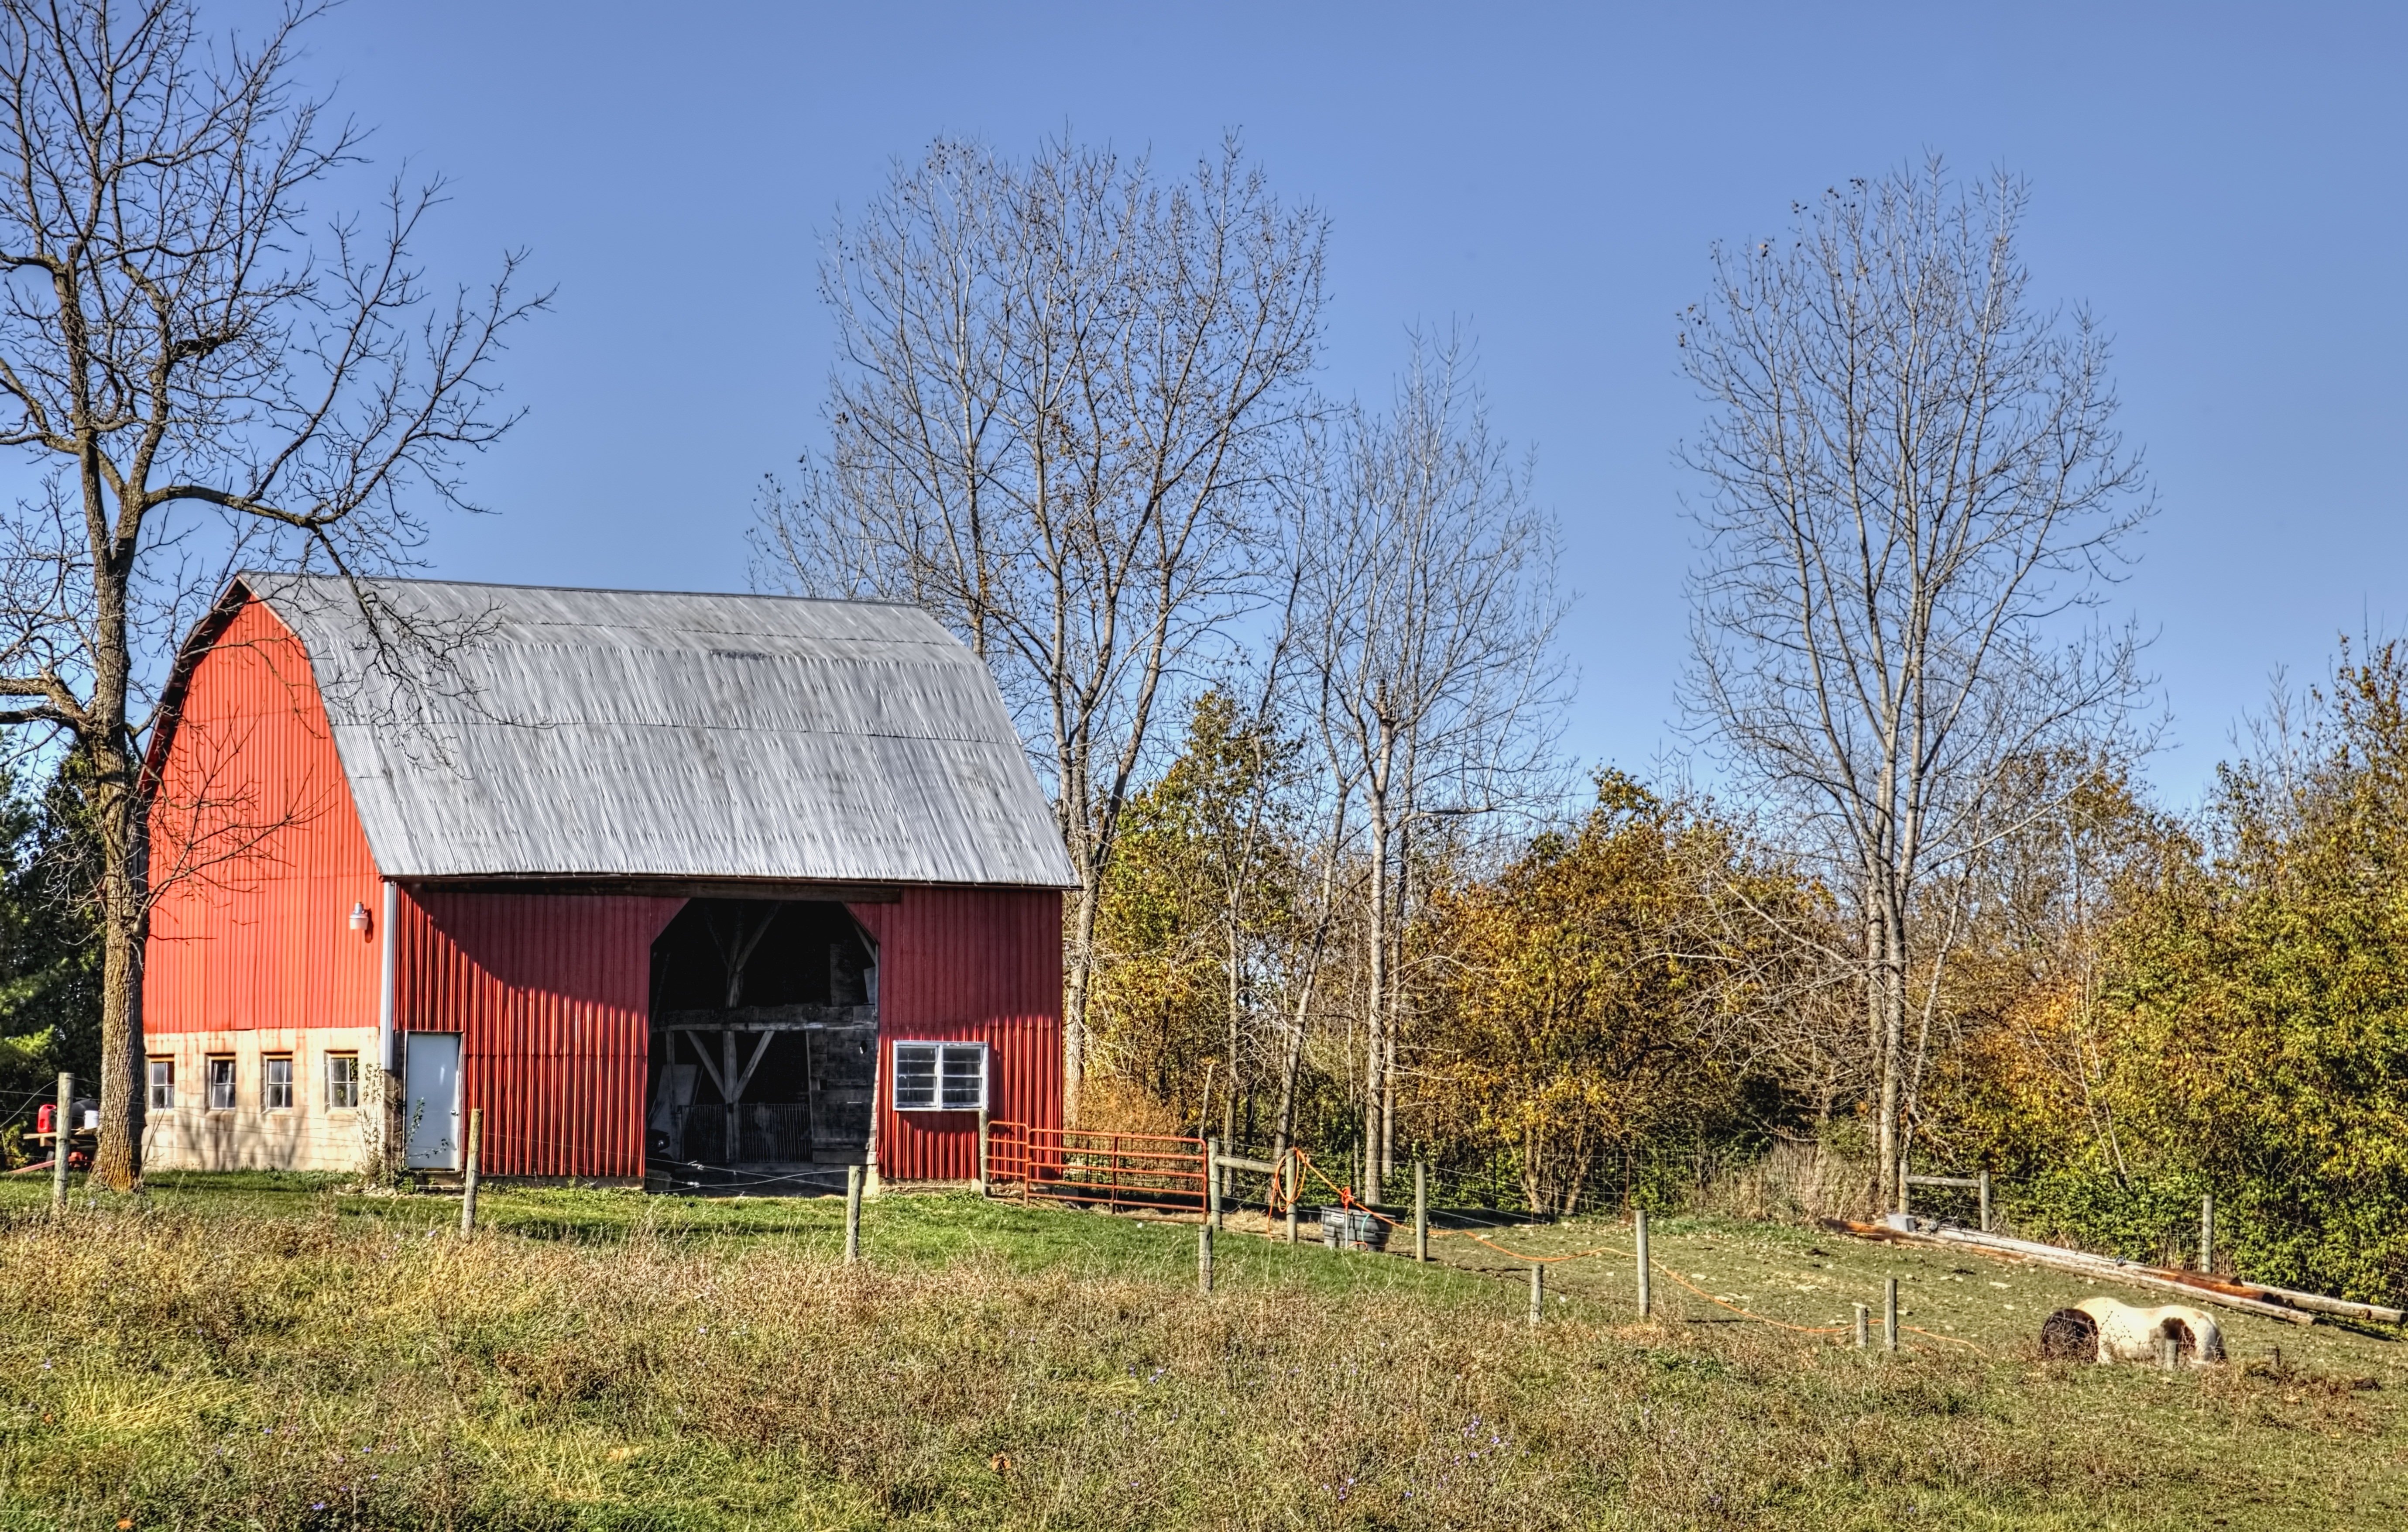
[{"x": 2225, "y": 188}]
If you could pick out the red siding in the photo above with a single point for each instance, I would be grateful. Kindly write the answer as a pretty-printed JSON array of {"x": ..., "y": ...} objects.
[
  {"x": 552, "y": 995},
  {"x": 969, "y": 965},
  {"x": 257, "y": 852}
]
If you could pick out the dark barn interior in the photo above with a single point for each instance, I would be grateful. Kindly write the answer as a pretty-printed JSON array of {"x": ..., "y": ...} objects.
[{"x": 764, "y": 1045}]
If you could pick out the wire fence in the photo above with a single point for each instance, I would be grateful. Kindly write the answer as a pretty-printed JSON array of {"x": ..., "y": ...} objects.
[
  {"x": 1346, "y": 1198},
  {"x": 1184, "y": 1175},
  {"x": 1142, "y": 1172}
]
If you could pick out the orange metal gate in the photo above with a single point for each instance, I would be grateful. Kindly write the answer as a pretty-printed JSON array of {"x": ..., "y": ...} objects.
[{"x": 1115, "y": 1169}]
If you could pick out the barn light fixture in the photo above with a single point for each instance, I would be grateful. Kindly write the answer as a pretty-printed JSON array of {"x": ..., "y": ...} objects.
[{"x": 359, "y": 916}]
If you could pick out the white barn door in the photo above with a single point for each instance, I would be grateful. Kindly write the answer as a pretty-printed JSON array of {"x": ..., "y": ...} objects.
[{"x": 431, "y": 1082}]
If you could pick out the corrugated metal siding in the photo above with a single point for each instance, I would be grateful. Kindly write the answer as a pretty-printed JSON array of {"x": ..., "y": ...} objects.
[
  {"x": 252, "y": 924},
  {"x": 552, "y": 995},
  {"x": 969, "y": 965}
]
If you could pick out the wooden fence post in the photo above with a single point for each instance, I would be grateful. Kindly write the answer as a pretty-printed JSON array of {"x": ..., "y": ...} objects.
[
  {"x": 1212, "y": 1181},
  {"x": 1983, "y": 1177},
  {"x": 470, "y": 1166},
  {"x": 1421, "y": 1211},
  {"x": 1889, "y": 1316},
  {"x": 853, "y": 1215},
  {"x": 1902, "y": 1207},
  {"x": 1646, "y": 1283},
  {"x": 982, "y": 1152},
  {"x": 2207, "y": 1233},
  {"x": 1295, "y": 1188},
  {"x": 1204, "y": 1256},
  {"x": 59, "y": 1145},
  {"x": 1864, "y": 1326},
  {"x": 2169, "y": 1353},
  {"x": 1537, "y": 1291}
]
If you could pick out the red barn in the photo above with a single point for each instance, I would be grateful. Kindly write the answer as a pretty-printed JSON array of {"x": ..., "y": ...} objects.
[{"x": 707, "y": 890}]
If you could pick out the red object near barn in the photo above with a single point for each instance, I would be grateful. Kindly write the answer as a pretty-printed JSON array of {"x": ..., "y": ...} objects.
[{"x": 697, "y": 891}]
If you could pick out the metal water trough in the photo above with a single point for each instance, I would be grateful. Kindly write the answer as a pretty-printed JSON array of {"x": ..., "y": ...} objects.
[{"x": 1352, "y": 1228}]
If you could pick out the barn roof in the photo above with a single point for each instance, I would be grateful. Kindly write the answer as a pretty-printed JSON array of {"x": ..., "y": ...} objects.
[{"x": 648, "y": 734}]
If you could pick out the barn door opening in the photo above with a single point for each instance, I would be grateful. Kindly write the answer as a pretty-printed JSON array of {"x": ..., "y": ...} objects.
[{"x": 763, "y": 1041}]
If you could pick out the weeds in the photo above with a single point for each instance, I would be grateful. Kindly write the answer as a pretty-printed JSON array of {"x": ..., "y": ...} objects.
[{"x": 177, "y": 1369}]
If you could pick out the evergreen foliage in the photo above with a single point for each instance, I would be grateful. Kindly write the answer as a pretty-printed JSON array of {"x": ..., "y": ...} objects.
[{"x": 49, "y": 955}]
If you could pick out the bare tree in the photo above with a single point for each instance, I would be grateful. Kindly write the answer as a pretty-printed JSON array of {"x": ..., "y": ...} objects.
[
  {"x": 1300, "y": 957},
  {"x": 1251, "y": 833},
  {"x": 1434, "y": 611},
  {"x": 1058, "y": 392},
  {"x": 1915, "y": 495},
  {"x": 1296, "y": 821},
  {"x": 203, "y": 382}
]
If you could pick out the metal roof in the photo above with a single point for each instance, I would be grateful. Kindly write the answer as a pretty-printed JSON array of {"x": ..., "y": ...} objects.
[{"x": 648, "y": 734}]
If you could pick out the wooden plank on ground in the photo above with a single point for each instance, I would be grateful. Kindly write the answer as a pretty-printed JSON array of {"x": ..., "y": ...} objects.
[{"x": 2078, "y": 1262}]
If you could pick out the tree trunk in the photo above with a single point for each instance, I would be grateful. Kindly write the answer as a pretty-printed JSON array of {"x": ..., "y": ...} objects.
[
  {"x": 1388, "y": 1104},
  {"x": 116, "y": 809},
  {"x": 1292, "y": 1068},
  {"x": 1375, "y": 1007},
  {"x": 1394, "y": 1027},
  {"x": 1076, "y": 985},
  {"x": 1293, "y": 1065},
  {"x": 1888, "y": 991},
  {"x": 1236, "y": 998},
  {"x": 116, "y": 801},
  {"x": 1533, "y": 1197}
]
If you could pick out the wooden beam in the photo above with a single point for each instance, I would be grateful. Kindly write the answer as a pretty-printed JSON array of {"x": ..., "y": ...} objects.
[
  {"x": 703, "y": 1054},
  {"x": 2080, "y": 1263},
  {"x": 736, "y": 954},
  {"x": 746, "y": 1078},
  {"x": 734, "y": 1129},
  {"x": 768, "y": 1018},
  {"x": 2342, "y": 1308},
  {"x": 768, "y": 1027}
]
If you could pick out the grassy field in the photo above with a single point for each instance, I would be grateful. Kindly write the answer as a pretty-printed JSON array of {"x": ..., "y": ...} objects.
[{"x": 256, "y": 1351}]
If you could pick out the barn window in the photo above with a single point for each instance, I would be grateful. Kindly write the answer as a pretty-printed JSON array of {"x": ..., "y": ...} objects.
[
  {"x": 939, "y": 1076},
  {"x": 342, "y": 1082},
  {"x": 276, "y": 1087},
  {"x": 222, "y": 1084},
  {"x": 162, "y": 1084}
]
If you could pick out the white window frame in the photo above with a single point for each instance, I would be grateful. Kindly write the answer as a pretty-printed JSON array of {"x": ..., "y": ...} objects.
[
  {"x": 933, "y": 1054},
  {"x": 334, "y": 1099},
  {"x": 160, "y": 1094},
  {"x": 233, "y": 1080},
  {"x": 267, "y": 1102}
]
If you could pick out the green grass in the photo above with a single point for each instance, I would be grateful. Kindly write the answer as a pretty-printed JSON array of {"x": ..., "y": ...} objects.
[
  {"x": 908, "y": 1230},
  {"x": 1810, "y": 1278},
  {"x": 267, "y": 1352}
]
